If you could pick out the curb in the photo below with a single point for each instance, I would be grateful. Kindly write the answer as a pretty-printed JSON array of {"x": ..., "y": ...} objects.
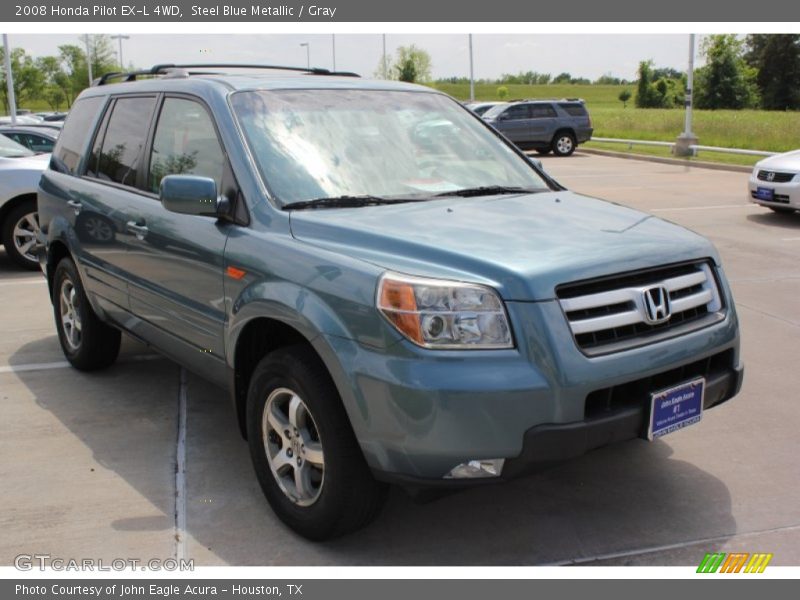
[{"x": 669, "y": 161}]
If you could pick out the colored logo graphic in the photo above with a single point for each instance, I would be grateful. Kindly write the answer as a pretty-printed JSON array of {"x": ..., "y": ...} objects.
[{"x": 735, "y": 562}]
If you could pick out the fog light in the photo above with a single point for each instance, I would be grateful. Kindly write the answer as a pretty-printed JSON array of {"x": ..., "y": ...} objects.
[{"x": 477, "y": 468}]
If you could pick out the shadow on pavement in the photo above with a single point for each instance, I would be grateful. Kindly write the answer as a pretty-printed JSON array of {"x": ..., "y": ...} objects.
[
  {"x": 622, "y": 498},
  {"x": 790, "y": 222}
]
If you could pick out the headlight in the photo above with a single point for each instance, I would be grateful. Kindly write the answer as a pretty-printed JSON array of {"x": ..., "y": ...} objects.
[{"x": 444, "y": 314}]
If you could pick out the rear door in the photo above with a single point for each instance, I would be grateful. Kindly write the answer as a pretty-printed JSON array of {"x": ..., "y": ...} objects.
[
  {"x": 515, "y": 123},
  {"x": 544, "y": 122},
  {"x": 176, "y": 288}
]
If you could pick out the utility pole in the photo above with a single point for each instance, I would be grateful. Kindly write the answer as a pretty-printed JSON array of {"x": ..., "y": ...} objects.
[
  {"x": 88, "y": 57},
  {"x": 688, "y": 138},
  {"x": 12, "y": 101},
  {"x": 471, "y": 72},
  {"x": 120, "y": 38},
  {"x": 385, "y": 67},
  {"x": 308, "y": 53}
]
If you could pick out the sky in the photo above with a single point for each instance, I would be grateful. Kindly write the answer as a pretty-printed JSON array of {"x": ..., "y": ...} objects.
[{"x": 582, "y": 55}]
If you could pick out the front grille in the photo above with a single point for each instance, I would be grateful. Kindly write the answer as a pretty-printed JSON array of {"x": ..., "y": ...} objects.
[
  {"x": 775, "y": 176},
  {"x": 612, "y": 314},
  {"x": 607, "y": 401}
]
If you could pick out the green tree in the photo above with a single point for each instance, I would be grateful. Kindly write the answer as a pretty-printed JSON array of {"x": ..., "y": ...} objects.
[
  {"x": 502, "y": 92},
  {"x": 726, "y": 80},
  {"x": 562, "y": 78},
  {"x": 624, "y": 96},
  {"x": 777, "y": 59},
  {"x": 410, "y": 63},
  {"x": 658, "y": 92},
  {"x": 28, "y": 79}
]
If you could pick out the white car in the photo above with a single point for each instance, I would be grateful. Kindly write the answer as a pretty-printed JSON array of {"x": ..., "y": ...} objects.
[
  {"x": 20, "y": 171},
  {"x": 775, "y": 182}
]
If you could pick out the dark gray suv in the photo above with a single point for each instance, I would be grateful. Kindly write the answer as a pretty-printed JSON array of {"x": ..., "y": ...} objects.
[{"x": 543, "y": 125}]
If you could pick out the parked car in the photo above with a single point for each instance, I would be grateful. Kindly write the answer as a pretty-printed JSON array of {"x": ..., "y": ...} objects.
[
  {"x": 384, "y": 301},
  {"x": 36, "y": 138},
  {"x": 479, "y": 108},
  {"x": 556, "y": 126},
  {"x": 775, "y": 182},
  {"x": 20, "y": 170}
]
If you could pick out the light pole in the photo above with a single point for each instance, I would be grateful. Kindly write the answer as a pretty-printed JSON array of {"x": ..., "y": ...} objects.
[
  {"x": 120, "y": 38},
  {"x": 687, "y": 138},
  {"x": 88, "y": 57},
  {"x": 471, "y": 72},
  {"x": 12, "y": 101},
  {"x": 333, "y": 48},
  {"x": 308, "y": 53},
  {"x": 385, "y": 67}
]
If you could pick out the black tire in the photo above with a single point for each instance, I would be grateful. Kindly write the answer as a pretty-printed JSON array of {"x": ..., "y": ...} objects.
[
  {"x": 543, "y": 151},
  {"x": 564, "y": 143},
  {"x": 347, "y": 496},
  {"x": 96, "y": 345},
  {"x": 22, "y": 215},
  {"x": 781, "y": 210}
]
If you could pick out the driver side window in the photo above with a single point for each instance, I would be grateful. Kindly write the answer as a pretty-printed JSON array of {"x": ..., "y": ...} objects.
[{"x": 185, "y": 143}]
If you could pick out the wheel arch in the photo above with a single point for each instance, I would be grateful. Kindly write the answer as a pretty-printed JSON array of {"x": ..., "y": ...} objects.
[{"x": 13, "y": 203}]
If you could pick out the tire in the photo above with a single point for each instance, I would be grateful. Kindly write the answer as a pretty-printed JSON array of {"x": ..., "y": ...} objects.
[
  {"x": 564, "y": 143},
  {"x": 87, "y": 342},
  {"x": 543, "y": 151},
  {"x": 337, "y": 493},
  {"x": 781, "y": 210},
  {"x": 20, "y": 229}
]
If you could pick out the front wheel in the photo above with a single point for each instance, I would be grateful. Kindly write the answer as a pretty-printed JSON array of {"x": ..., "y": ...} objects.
[
  {"x": 86, "y": 341},
  {"x": 564, "y": 144},
  {"x": 19, "y": 234},
  {"x": 304, "y": 452}
]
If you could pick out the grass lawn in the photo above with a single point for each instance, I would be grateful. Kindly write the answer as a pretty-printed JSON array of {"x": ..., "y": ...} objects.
[{"x": 772, "y": 131}]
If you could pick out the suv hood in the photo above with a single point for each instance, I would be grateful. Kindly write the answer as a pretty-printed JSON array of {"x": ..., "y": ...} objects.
[{"x": 522, "y": 245}]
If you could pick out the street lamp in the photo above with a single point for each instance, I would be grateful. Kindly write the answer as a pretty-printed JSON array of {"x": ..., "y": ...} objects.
[
  {"x": 87, "y": 40},
  {"x": 688, "y": 138},
  {"x": 333, "y": 48},
  {"x": 308, "y": 53},
  {"x": 120, "y": 38}
]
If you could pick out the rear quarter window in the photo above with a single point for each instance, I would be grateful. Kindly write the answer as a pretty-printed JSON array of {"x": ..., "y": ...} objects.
[
  {"x": 77, "y": 130},
  {"x": 574, "y": 109}
]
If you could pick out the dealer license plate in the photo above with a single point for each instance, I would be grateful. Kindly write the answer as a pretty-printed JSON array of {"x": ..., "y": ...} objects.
[{"x": 676, "y": 408}]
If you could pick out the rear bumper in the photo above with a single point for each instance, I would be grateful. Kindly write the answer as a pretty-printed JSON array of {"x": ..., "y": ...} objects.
[
  {"x": 550, "y": 444},
  {"x": 584, "y": 135}
]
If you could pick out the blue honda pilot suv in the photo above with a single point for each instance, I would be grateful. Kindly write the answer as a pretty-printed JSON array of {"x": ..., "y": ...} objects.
[{"x": 388, "y": 288}]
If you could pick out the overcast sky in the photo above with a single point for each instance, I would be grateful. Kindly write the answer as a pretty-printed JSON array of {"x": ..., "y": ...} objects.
[{"x": 581, "y": 55}]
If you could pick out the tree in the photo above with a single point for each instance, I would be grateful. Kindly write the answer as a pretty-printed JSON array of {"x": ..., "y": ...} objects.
[
  {"x": 658, "y": 92},
  {"x": 562, "y": 78},
  {"x": 777, "y": 58},
  {"x": 28, "y": 79},
  {"x": 726, "y": 80},
  {"x": 411, "y": 64},
  {"x": 624, "y": 96},
  {"x": 502, "y": 92}
]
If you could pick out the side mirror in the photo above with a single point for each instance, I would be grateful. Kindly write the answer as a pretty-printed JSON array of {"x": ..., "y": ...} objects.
[
  {"x": 536, "y": 163},
  {"x": 192, "y": 195}
]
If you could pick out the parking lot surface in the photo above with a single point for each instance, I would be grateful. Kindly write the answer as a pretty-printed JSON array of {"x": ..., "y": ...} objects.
[{"x": 88, "y": 461}]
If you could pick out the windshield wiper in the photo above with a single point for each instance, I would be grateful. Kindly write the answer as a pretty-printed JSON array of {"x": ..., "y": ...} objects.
[
  {"x": 489, "y": 190},
  {"x": 347, "y": 202}
]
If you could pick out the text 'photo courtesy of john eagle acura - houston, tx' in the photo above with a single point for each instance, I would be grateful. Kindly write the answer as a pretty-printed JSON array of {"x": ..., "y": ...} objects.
[{"x": 435, "y": 312}]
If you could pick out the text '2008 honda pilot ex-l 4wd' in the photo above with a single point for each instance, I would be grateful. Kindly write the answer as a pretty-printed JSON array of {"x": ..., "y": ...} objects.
[{"x": 390, "y": 290}]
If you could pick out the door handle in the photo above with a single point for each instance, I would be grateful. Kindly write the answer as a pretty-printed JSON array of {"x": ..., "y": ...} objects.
[{"x": 140, "y": 229}]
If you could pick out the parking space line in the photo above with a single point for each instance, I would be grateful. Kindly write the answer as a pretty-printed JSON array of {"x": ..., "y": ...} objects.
[
  {"x": 713, "y": 207},
  {"x": 37, "y": 281},
  {"x": 792, "y": 239},
  {"x": 63, "y": 364},
  {"x": 180, "y": 473}
]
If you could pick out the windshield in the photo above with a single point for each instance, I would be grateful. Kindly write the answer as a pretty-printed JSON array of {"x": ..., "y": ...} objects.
[
  {"x": 495, "y": 111},
  {"x": 11, "y": 149},
  {"x": 312, "y": 144}
]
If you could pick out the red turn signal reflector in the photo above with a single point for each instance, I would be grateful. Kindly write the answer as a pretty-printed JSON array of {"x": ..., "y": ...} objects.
[{"x": 235, "y": 273}]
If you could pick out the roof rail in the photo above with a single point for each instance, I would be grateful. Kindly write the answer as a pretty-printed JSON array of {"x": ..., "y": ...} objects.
[
  {"x": 163, "y": 69},
  {"x": 547, "y": 100}
]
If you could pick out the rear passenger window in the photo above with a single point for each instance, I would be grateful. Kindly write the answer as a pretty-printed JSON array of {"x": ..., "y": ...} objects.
[
  {"x": 185, "y": 143},
  {"x": 543, "y": 111},
  {"x": 574, "y": 110},
  {"x": 77, "y": 129},
  {"x": 516, "y": 113},
  {"x": 120, "y": 152}
]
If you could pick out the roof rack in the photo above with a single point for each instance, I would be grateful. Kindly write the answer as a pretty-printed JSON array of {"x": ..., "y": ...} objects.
[{"x": 164, "y": 69}]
